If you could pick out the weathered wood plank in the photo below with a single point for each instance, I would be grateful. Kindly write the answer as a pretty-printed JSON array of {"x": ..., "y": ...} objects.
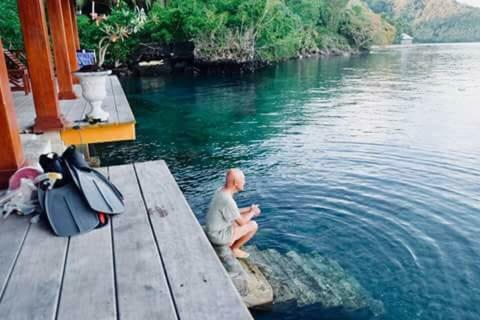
[
  {"x": 142, "y": 289},
  {"x": 33, "y": 289},
  {"x": 25, "y": 111},
  {"x": 200, "y": 285},
  {"x": 88, "y": 286},
  {"x": 74, "y": 111},
  {"x": 109, "y": 103},
  {"x": 68, "y": 106},
  {"x": 124, "y": 110},
  {"x": 79, "y": 111},
  {"x": 12, "y": 235}
]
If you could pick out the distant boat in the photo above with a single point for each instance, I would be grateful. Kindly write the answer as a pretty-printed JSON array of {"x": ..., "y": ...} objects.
[{"x": 406, "y": 39}]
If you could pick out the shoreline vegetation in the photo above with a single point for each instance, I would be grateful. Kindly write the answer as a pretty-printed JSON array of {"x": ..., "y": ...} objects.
[{"x": 152, "y": 37}]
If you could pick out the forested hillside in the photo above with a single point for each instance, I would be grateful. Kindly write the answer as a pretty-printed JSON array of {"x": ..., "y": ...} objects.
[
  {"x": 227, "y": 30},
  {"x": 431, "y": 20}
]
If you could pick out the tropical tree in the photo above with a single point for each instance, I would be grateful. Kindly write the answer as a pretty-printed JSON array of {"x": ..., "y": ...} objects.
[{"x": 10, "y": 30}]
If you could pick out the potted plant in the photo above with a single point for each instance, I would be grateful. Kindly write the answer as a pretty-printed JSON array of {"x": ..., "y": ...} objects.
[{"x": 122, "y": 22}]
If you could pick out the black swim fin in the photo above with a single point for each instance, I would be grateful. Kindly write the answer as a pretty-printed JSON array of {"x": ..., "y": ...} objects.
[
  {"x": 66, "y": 209},
  {"x": 68, "y": 212},
  {"x": 101, "y": 194}
]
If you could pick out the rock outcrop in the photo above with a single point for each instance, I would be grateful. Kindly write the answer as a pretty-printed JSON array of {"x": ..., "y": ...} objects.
[
  {"x": 250, "y": 282},
  {"x": 311, "y": 282},
  {"x": 298, "y": 283}
]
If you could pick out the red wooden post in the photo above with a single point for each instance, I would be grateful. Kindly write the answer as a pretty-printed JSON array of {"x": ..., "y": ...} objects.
[
  {"x": 72, "y": 51},
  {"x": 37, "y": 48},
  {"x": 75, "y": 26},
  {"x": 11, "y": 157},
  {"x": 62, "y": 62}
]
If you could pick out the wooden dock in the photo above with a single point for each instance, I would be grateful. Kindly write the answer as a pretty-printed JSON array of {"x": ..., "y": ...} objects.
[
  {"x": 151, "y": 262},
  {"x": 120, "y": 126}
]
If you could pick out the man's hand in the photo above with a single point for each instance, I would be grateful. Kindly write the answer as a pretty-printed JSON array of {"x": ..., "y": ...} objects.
[{"x": 255, "y": 210}]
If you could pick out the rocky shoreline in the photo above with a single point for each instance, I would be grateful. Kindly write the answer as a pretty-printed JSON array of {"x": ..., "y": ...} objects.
[{"x": 179, "y": 58}]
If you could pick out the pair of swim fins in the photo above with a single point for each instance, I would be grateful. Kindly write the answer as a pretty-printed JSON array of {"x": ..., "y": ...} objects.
[{"x": 82, "y": 200}]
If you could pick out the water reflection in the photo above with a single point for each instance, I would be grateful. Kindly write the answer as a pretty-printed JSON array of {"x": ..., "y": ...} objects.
[{"x": 371, "y": 161}]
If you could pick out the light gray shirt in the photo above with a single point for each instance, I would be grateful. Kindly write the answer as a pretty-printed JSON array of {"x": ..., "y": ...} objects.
[{"x": 220, "y": 217}]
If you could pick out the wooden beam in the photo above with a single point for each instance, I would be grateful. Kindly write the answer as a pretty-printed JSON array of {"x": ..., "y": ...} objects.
[
  {"x": 37, "y": 48},
  {"x": 62, "y": 62},
  {"x": 99, "y": 133},
  {"x": 11, "y": 157},
  {"x": 75, "y": 26},
  {"x": 69, "y": 32}
]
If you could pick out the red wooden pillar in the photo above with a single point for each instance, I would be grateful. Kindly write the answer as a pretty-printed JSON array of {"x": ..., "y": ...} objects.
[
  {"x": 75, "y": 26},
  {"x": 72, "y": 51},
  {"x": 37, "y": 48},
  {"x": 62, "y": 62},
  {"x": 11, "y": 157}
]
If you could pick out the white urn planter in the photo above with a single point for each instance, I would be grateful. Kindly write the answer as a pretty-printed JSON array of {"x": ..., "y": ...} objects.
[{"x": 94, "y": 90}]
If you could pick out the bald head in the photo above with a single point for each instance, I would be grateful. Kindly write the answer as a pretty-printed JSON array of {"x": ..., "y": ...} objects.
[{"x": 235, "y": 180}]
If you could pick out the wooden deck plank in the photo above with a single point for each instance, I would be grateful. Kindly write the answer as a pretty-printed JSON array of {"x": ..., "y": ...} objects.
[
  {"x": 12, "y": 235},
  {"x": 200, "y": 285},
  {"x": 33, "y": 289},
  {"x": 75, "y": 112},
  {"x": 88, "y": 286},
  {"x": 70, "y": 107},
  {"x": 115, "y": 103},
  {"x": 109, "y": 105},
  {"x": 142, "y": 289},
  {"x": 124, "y": 110},
  {"x": 24, "y": 110}
]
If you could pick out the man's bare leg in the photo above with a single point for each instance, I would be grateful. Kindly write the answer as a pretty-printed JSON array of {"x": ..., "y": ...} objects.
[{"x": 241, "y": 236}]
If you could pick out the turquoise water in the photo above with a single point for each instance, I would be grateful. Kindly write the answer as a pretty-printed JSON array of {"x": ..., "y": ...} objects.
[{"x": 372, "y": 161}]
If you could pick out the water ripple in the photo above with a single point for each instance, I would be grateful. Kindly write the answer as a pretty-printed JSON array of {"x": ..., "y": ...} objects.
[{"x": 372, "y": 161}]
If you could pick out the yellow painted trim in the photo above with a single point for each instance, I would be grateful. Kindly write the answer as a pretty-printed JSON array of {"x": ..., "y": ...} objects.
[{"x": 99, "y": 133}]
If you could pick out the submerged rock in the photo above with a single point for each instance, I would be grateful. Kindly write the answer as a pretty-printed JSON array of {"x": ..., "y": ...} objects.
[
  {"x": 250, "y": 282},
  {"x": 296, "y": 283},
  {"x": 312, "y": 282},
  {"x": 260, "y": 292}
]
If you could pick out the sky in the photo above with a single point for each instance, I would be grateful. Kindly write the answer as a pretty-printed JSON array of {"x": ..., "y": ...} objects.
[{"x": 475, "y": 3}]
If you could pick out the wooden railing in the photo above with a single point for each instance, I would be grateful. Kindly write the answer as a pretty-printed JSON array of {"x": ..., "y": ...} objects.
[{"x": 17, "y": 71}]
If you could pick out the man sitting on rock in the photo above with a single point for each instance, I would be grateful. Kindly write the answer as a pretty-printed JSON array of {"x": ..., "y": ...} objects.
[{"x": 226, "y": 223}]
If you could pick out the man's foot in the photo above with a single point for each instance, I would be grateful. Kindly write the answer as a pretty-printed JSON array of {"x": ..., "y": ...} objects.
[{"x": 240, "y": 254}]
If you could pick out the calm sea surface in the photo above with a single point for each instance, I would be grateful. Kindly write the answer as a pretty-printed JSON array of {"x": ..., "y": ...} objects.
[{"x": 371, "y": 161}]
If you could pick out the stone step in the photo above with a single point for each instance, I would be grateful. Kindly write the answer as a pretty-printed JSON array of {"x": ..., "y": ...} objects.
[
  {"x": 295, "y": 280},
  {"x": 260, "y": 292},
  {"x": 276, "y": 276},
  {"x": 347, "y": 289},
  {"x": 325, "y": 294},
  {"x": 313, "y": 282}
]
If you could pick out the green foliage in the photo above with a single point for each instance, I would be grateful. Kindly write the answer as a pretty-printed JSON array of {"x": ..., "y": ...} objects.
[
  {"x": 10, "y": 30},
  {"x": 276, "y": 29},
  {"x": 239, "y": 30},
  {"x": 111, "y": 35},
  {"x": 355, "y": 27},
  {"x": 89, "y": 32}
]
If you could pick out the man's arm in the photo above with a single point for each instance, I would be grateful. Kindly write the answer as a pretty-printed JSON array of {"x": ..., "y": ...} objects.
[
  {"x": 245, "y": 210},
  {"x": 246, "y": 214}
]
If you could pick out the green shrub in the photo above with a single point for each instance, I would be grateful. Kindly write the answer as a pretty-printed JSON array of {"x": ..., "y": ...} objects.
[
  {"x": 112, "y": 36},
  {"x": 242, "y": 30},
  {"x": 10, "y": 30},
  {"x": 89, "y": 32},
  {"x": 356, "y": 28}
]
